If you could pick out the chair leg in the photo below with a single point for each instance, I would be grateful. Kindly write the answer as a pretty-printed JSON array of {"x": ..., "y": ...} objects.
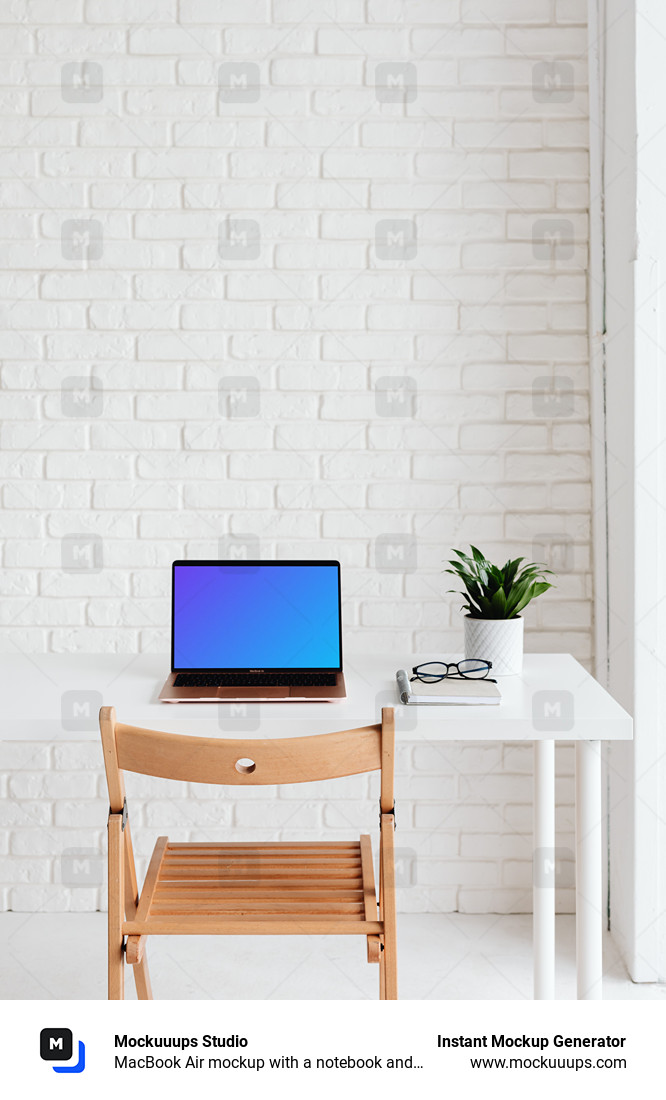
[
  {"x": 382, "y": 973},
  {"x": 116, "y": 970},
  {"x": 388, "y": 990},
  {"x": 116, "y": 973},
  {"x": 142, "y": 980},
  {"x": 136, "y": 956},
  {"x": 390, "y": 961}
]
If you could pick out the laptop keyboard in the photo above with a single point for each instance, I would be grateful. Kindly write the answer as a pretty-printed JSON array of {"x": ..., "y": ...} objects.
[{"x": 251, "y": 679}]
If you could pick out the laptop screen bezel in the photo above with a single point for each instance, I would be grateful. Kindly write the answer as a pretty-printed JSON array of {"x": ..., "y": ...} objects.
[{"x": 245, "y": 564}]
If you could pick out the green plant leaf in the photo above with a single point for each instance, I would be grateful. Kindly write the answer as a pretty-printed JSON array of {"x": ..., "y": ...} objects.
[
  {"x": 535, "y": 589},
  {"x": 497, "y": 592},
  {"x": 498, "y": 604},
  {"x": 459, "y": 569},
  {"x": 510, "y": 570},
  {"x": 496, "y": 575},
  {"x": 465, "y": 557}
]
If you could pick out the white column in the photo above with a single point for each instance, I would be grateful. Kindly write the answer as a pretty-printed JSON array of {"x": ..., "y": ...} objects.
[
  {"x": 589, "y": 900},
  {"x": 543, "y": 870}
]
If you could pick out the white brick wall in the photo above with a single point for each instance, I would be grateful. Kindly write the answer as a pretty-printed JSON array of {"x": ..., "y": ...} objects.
[
  {"x": 400, "y": 270},
  {"x": 463, "y": 841}
]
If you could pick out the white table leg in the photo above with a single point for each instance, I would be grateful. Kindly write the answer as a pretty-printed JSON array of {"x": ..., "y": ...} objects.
[
  {"x": 543, "y": 891},
  {"x": 588, "y": 870}
]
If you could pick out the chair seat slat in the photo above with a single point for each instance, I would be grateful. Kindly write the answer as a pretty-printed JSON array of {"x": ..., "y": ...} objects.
[
  {"x": 257, "y": 885},
  {"x": 207, "y": 881},
  {"x": 200, "y": 925},
  {"x": 268, "y": 905},
  {"x": 261, "y": 857},
  {"x": 230, "y": 866},
  {"x": 257, "y": 890},
  {"x": 271, "y": 845}
]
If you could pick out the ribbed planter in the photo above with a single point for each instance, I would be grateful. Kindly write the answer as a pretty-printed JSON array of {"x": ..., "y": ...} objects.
[{"x": 496, "y": 640}]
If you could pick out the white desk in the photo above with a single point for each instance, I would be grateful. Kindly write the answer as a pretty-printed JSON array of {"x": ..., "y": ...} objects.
[{"x": 56, "y": 697}]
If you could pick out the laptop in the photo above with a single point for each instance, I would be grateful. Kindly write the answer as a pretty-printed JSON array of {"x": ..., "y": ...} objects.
[{"x": 255, "y": 630}]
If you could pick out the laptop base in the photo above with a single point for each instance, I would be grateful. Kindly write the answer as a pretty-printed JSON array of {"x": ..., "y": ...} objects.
[{"x": 292, "y": 694}]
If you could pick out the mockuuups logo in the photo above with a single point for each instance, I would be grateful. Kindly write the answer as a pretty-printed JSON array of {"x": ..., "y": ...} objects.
[{"x": 56, "y": 1045}]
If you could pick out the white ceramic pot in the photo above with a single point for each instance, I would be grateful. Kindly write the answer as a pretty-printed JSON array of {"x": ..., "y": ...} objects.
[{"x": 496, "y": 640}]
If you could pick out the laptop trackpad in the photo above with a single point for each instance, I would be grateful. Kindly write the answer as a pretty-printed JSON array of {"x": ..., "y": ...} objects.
[{"x": 252, "y": 693}]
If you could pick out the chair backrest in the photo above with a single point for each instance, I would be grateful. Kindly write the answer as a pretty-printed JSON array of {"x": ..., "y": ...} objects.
[{"x": 246, "y": 763}]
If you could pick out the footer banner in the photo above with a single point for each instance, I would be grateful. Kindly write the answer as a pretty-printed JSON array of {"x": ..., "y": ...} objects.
[{"x": 306, "y": 1048}]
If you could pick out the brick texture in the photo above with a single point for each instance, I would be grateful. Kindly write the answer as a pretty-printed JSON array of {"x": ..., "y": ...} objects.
[{"x": 308, "y": 283}]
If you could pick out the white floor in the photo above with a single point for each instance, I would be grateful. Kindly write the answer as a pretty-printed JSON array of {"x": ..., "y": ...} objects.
[{"x": 442, "y": 957}]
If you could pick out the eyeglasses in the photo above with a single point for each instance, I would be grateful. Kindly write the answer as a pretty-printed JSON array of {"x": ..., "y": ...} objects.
[{"x": 471, "y": 669}]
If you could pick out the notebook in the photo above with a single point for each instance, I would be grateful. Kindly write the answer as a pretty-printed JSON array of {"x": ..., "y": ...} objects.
[{"x": 448, "y": 692}]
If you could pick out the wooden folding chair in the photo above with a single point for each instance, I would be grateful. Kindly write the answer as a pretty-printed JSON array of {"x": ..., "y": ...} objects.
[{"x": 241, "y": 889}]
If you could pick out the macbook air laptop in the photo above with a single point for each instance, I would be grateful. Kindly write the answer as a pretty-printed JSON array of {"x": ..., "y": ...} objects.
[{"x": 255, "y": 630}]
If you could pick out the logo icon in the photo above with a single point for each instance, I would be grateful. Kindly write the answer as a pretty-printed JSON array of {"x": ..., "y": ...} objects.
[
  {"x": 553, "y": 82},
  {"x": 82, "y": 397},
  {"x": 395, "y": 553},
  {"x": 241, "y": 547},
  {"x": 239, "y": 82},
  {"x": 396, "y": 239},
  {"x": 81, "y": 867},
  {"x": 239, "y": 397},
  {"x": 553, "y": 867},
  {"x": 553, "y": 711},
  {"x": 81, "y": 553},
  {"x": 395, "y": 82},
  {"x": 553, "y": 239},
  {"x": 82, "y": 82},
  {"x": 79, "y": 709},
  {"x": 239, "y": 239},
  {"x": 56, "y": 1045},
  {"x": 556, "y": 549},
  {"x": 395, "y": 396},
  {"x": 82, "y": 239},
  {"x": 553, "y": 397},
  {"x": 405, "y": 867},
  {"x": 239, "y": 717}
]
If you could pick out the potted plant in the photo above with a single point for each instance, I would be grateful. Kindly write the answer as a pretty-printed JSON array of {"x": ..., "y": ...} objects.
[{"x": 495, "y": 598}]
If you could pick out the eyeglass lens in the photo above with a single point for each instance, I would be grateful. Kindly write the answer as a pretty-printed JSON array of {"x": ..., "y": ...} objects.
[{"x": 472, "y": 668}]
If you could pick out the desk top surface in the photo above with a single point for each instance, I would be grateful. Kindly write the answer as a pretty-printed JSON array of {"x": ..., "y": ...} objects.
[{"x": 57, "y": 697}]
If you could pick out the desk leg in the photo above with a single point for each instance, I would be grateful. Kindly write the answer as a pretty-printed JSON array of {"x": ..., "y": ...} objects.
[
  {"x": 543, "y": 891},
  {"x": 588, "y": 870}
]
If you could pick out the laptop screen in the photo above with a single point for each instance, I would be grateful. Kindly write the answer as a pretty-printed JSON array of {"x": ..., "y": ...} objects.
[{"x": 256, "y": 615}]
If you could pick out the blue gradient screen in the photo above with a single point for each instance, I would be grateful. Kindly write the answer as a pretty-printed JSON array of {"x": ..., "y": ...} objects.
[{"x": 256, "y": 616}]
